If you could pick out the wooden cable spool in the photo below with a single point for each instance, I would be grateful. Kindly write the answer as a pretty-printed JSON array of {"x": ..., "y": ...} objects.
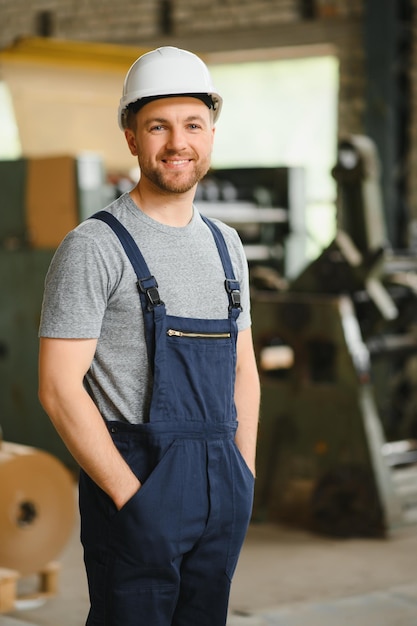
[{"x": 37, "y": 508}]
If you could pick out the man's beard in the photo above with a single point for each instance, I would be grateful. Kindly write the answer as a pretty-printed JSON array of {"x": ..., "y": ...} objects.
[{"x": 175, "y": 182}]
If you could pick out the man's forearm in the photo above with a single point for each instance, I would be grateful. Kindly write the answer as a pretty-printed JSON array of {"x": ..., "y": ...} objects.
[
  {"x": 62, "y": 364},
  {"x": 247, "y": 400},
  {"x": 246, "y": 434},
  {"x": 84, "y": 432}
]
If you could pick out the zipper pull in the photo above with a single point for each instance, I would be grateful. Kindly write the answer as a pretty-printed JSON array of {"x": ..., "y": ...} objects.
[{"x": 174, "y": 333}]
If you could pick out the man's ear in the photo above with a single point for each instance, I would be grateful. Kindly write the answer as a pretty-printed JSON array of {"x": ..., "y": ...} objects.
[{"x": 131, "y": 142}]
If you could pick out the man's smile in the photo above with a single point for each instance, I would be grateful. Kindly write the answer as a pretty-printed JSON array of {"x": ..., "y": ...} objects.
[{"x": 176, "y": 162}]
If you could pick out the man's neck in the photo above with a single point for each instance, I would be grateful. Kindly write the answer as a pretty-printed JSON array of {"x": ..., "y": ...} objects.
[{"x": 169, "y": 209}]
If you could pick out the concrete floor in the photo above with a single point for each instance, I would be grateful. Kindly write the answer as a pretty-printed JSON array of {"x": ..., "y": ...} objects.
[{"x": 285, "y": 577}]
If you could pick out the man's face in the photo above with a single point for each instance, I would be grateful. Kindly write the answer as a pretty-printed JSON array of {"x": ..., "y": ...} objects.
[{"x": 173, "y": 141}]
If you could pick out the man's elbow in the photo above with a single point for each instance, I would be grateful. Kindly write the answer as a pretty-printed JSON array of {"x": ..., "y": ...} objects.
[
  {"x": 47, "y": 396},
  {"x": 52, "y": 392}
]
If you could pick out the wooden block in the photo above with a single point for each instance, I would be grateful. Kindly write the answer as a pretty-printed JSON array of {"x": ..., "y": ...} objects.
[
  {"x": 8, "y": 584},
  {"x": 49, "y": 578},
  {"x": 11, "y": 599}
]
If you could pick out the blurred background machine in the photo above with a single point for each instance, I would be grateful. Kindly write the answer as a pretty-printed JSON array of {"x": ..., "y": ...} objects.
[
  {"x": 41, "y": 199},
  {"x": 337, "y": 356},
  {"x": 267, "y": 207}
]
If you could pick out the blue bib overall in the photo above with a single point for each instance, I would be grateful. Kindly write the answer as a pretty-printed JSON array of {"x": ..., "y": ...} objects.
[{"x": 168, "y": 556}]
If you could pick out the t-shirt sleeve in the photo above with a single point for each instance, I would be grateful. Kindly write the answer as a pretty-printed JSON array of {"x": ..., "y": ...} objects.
[{"x": 76, "y": 290}]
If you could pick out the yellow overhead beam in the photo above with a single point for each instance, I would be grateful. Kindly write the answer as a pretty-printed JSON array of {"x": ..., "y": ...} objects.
[{"x": 48, "y": 51}]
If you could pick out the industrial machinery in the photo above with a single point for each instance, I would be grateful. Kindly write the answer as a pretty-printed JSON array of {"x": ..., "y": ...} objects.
[
  {"x": 267, "y": 207},
  {"x": 41, "y": 200},
  {"x": 337, "y": 352}
]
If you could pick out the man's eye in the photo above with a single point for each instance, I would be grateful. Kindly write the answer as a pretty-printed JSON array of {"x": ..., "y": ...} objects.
[{"x": 157, "y": 128}]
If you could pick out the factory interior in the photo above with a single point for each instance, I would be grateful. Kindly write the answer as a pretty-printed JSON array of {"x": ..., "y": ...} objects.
[{"x": 314, "y": 165}]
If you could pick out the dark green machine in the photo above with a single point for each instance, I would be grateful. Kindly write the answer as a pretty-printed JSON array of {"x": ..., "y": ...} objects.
[
  {"x": 22, "y": 275},
  {"x": 330, "y": 349},
  {"x": 319, "y": 456},
  {"x": 23, "y": 269}
]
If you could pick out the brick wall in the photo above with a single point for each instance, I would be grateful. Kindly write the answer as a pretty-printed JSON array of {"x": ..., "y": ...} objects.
[{"x": 130, "y": 21}]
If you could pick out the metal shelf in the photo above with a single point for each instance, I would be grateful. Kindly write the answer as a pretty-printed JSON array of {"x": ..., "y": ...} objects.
[{"x": 242, "y": 213}]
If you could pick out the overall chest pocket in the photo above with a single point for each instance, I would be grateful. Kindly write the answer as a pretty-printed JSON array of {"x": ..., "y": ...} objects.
[{"x": 199, "y": 374}]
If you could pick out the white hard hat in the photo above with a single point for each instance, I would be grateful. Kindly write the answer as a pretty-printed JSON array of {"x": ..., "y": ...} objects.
[{"x": 167, "y": 71}]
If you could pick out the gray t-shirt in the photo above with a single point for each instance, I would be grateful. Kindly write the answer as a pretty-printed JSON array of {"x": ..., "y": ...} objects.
[{"x": 90, "y": 292}]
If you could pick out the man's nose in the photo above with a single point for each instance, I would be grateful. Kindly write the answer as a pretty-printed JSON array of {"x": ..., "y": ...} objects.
[{"x": 176, "y": 140}]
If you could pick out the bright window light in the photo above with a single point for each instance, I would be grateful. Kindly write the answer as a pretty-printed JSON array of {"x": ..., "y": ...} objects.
[
  {"x": 10, "y": 147},
  {"x": 284, "y": 113}
]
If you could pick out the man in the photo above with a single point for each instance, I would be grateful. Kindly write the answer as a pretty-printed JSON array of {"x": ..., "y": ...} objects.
[{"x": 150, "y": 379}]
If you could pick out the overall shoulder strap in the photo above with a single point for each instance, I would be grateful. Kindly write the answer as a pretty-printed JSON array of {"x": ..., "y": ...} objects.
[
  {"x": 231, "y": 284},
  {"x": 147, "y": 285}
]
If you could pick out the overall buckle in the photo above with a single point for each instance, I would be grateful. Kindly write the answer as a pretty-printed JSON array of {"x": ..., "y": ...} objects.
[
  {"x": 149, "y": 287},
  {"x": 233, "y": 289}
]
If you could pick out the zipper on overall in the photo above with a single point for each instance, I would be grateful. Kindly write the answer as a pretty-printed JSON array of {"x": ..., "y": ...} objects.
[{"x": 181, "y": 333}]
